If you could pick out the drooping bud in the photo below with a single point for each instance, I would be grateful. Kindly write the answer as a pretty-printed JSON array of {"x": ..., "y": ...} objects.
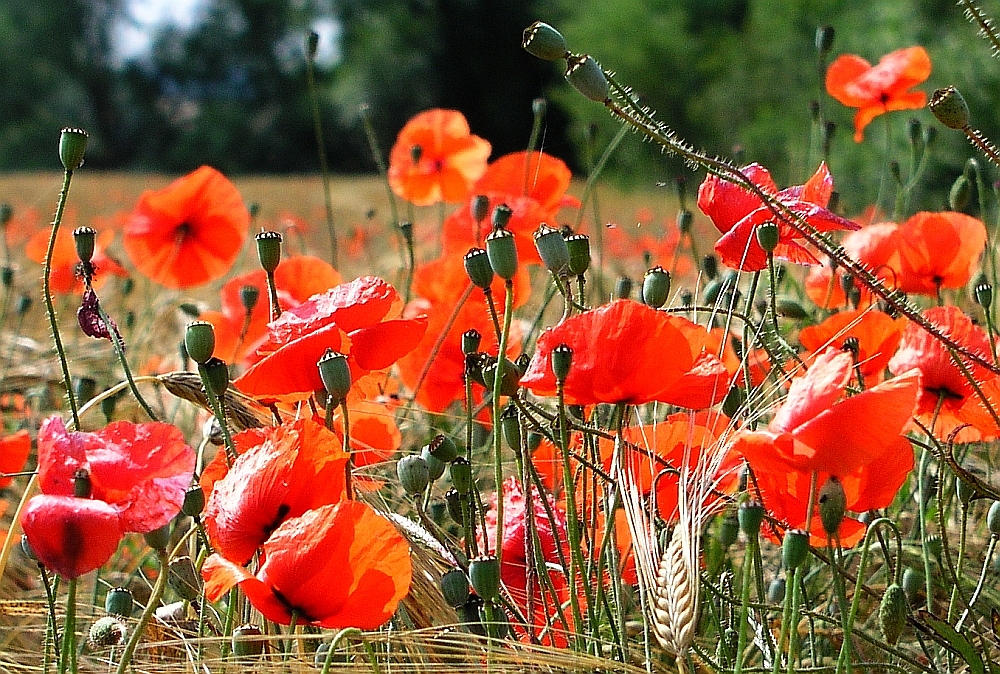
[
  {"x": 215, "y": 375},
  {"x": 269, "y": 250},
  {"x": 502, "y": 253},
  {"x": 484, "y": 573},
  {"x": 949, "y": 107},
  {"x": 993, "y": 519},
  {"x": 964, "y": 491},
  {"x": 199, "y": 340},
  {"x": 85, "y": 238},
  {"x": 587, "y": 77},
  {"x": 477, "y": 266},
  {"x": 249, "y": 296},
  {"x": 543, "y": 41},
  {"x": 892, "y": 613},
  {"x": 656, "y": 287},
  {"x": 552, "y": 249},
  {"x": 562, "y": 359},
  {"x": 413, "y": 474},
  {"x": 824, "y": 39},
  {"x": 72, "y": 147},
  {"x": 794, "y": 548},
  {"x": 579, "y": 253},
  {"x": 336, "y": 375},
  {"x": 832, "y": 505},
  {"x": 623, "y": 288},
  {"x": 480, "y": 207}
]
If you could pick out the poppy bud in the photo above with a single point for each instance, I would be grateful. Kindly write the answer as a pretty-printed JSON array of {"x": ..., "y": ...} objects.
[
  {"x": 814, "y": 110},
  {"x": 484, "y": 573},
  {"x": 82, "y": 486},
  {"x": 406, "y": 229},
  {"x": 543, "y": 41},
  {"x": 269, "y": 250},
  {"x": 751, "y": 516},
  {"x": 413, "y": 474},
  {"x": 477, "y": 266},
  {"x": 469, "y": 613},
  {"x": 158, "y": 538},
  {"x": 443, "y": 448},
  {"x": 502, "y": 252},
  {"x": 105, "y": 632},
  {"x": 184, "y": 579},
  {"x": 199, "y": 340},
  {"x": 194, "y": 501},
  {"x": 964, "y": 491},
  {"x": 84, "y": 388},
  {"x": 85, "y": 238},
  {"x": 587, "y": 77},
  {"x": 6, "y": 275},
  {"x": 471, "y": 339},
  {"x": 336, "y": 375},
  {"x": 72, "y": 146},
  {"x": 562, "y": 359},
  {"x": 993, "y": 519},
  {"x": 950, "y": 108},
  {"x": 119, "y": 601},
  {"x": 461, "y": 475},
  {"x": 892, "y": 613},
  {"x": 776, "y": 590},
  {"x": 794, "y": 548},
  {"x": 6, "y": 213},
  {"x": 914, "y": 131},
  {"x": 984, "y": 295},
  {"x": 455, "y": 587},
  {"x": 913, "y": 584},
  {"x": 511, "y": 377},
  {"x": 435, "y": 466},
  {"x": 832, "y": 505},
  {"x": 685, "y": 219},
  {"x": 215, "y": 374},
  {"x": 247, "y": 641},
  {"x": 824, "y": 39},
  {"x": 480, "y": 207},
  {"x": 453, "y": 500},
  {"x": 248, "y": 298},
  {"x": 312, "y": 44},
  {"x": 501, "y": 216},
  {"x": 552, "y": 249},
  {"x": 729, "y": 530},
  {"x": 579, "y": 253},
  {"x": 710, "y": 266},
  {"x": 767, "y": 236},
  {"x": 510, "y": 427},
  {"x": 656, "y": 287},
  {"x": 930, "y": 135},
  {"x": 623, "y": 288}
]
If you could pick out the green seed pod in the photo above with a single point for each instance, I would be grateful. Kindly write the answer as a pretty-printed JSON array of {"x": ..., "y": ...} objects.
[
  {"x": 543, "y": 41},
  {"x": 587, "y": 77},
  {"x": 499, "y": 628},
  {"x": 984, "y": 295},
  {"x": 913, "y": 585},
  {"x": 83, "y": 487},
  {"x": 552, "y": 249},
  {"x": 510, "y": 428},
  {"x": 184, "y": 579},
  {"x": 993, "y": 519},
  {"x": 964, "y": 491},
  {"x": 768, "y": 236},
  {"x": 710, "y": 267},
  {"x": 453, "y": 500},
  {"x": 623, "y": 288},
  {"x": 502, "y": 214},
  {"x": 949, "y": 107},
  {"x": 751, "y": 516},
  {"x": 656, "y": 287},
  {"x": 480, "y": 207},
  {"x": 832, "y": 505},
  {"x": 502, "y": 253},
  {"x": 269, "y": 250},
  {"x": 199, "y": 340},
  {"x": 455, "y": 587},
  {"x": 960, "y": 193},
  {"x": 247, "y": 641},
  {"x": 776, "y": 590},
  {"x": 471, "y": 339},
  {"x": 579, "y": 253},
  {"x": 794, "y": 549},
  {"x": 413, "y": 473},
  {"x": 158, "y": 539},
  {"x": 484, "y": 574},
  {"x": 562, "y": 360},
  {"x": 336, "y": 375},
  {"x": 119, "y": 601},
  {"x": 477, "y": 266},
  {"x": 435, "y": 467},
  {"x": 85, "y": 238},
  {"x": 443, "y": 448},
  {"x": 6, "y": 214},
  {"x": 469, "y": 612},
  {"x": 106, "y": 632},
  {"x": 249, "y": 296},
  {"x": 461, "y": 475},
  {"x": 791, "y": 309},
  {"x": 824, "y": 39},
  {"x": 194, "y": 501},
  {"x": 72, "y": 147},
  {"x": 511, "y": 377},
  {"x": 215, "y": 374},
  {"x": 6, "y": 275},
  {"x": 892, "y": 613},
  {"x": 729, "y": 530}
]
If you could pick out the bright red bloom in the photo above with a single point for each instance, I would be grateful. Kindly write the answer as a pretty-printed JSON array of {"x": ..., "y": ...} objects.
[
  {"x": 737, "y": 213},
  {"x": 339, "y": 565},
  {"x": 877, "y": 336},
  {"x": 436, "y": 158},
  {"x": 188, "y": 233},
  {"x": 14, "y": 451},
  {"x": 875, "y": 90},
  {"x": 938, "y": 250},
  {"x": 875, "y": 247},
  {"x": 858, "y": 440},
  {"x": 281, "y": 472},
  {"x": 626, "y": 352},
  {"x": 72, "y": 536},
  {"x": 944, "y": 389},
  {"x": 63, "y": 278},
  {"x": 353, "y": 318}
]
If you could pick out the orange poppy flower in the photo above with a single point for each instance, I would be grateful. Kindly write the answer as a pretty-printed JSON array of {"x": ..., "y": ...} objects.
[
  {"x": 877, "y": 336},
  {"x": 618, "y": 357},
  {"x": 281, "y": 472},
  {"x": 352, "y": 318},
  {"x": 875, "y": 247},
  {"x": 64, "y": 278},
  {"x": 188, "y": 233},
  {"x": 943, "y": 388},
  {"x": 336, "y": 566},
  {"x": 737, "y": 213},
  {"x": 436, "y": 158},
  {"x": 938, "y": 250},
  {"x": 14, "y": 451},
  {"x": 973, "y": 410},
  {"x": 858, "y": 440},
  {"x": 875, "y": 90}
]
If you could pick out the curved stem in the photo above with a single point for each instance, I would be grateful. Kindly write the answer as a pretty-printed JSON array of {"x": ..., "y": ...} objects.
[{"x": 154, "y": 598}]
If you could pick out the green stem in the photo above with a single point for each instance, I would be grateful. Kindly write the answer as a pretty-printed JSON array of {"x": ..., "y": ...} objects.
[
  {"x": 573, "y": 524},
  {"x": 67, "y": 655},
  {"x": 321, "y": 149},
  {"x": 154, "y": 598},
  {"x": 741, "y": 640},
  {"x": 272, "y": 296},
  {"x": 51, "y": 625},
  {"x": 116, "y": 340},
  {"x": 497, "y": 432}
]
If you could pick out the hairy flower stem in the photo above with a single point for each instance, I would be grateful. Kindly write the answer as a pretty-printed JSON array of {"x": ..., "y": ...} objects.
[
  {"x": 67, "y": 654},
  {"x": 272, "y": 296},
  {"x": 47, "y": 298},
  {"x": 51, "y": 626},
  {"x": 154, "y": 598},
  {"x": 321, "y": 150},
  {"x": 834, "y": 550},
  {"x": 116, "y": 340},
  {"x": 497, "y": 431},
  {"x": 791, "y": 599},
  {"x": 218, "y": 405},
  {"x": 747, "y": 573},
  {"x": 573, "y": 524}
]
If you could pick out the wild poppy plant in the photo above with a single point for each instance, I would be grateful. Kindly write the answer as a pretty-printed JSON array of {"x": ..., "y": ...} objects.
[
  {"x": 339, "y": 565},
  {"x": 878, "y": 89},
  {"x": 858, "y": 440},
  {"x": 737, "y": 213},
  {"x": 436, "y": 158},
  {"x": 938, "y": 250},
  {"x": 188, "y": 233},
  {"x": 65, "y": 262},
  {"x": 874, "y": 333}
]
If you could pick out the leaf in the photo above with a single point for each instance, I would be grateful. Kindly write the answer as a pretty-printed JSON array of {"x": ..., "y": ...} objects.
[{"x": 959, "y": 642}]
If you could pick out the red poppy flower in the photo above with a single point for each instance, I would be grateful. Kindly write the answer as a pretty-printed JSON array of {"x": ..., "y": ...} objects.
[
  {"x": 876, "y": 333},
  {"x": 875, "y": 90},
  {"x": 281, "y": 472},
  {"x": 14, "y": 451},
  {"x": 352, "y": 318},
  {"x": 938, "y": 250},
  {"x": 858, "y": 440},
  {"x": 72, "y": 536},
  {"x": 188, "y": 233},
  {"x": 737, "y": 213},
  {"x": 943, "y": 387},
  {"x": 63, "y": 278},
  {"x": 436, "y": 158},
  {"x": 619, "y": 357},
  {"x": 875, "y": 247},
  {"x": 339, "y": 565},
  {"x": 973, "y": 410}
]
